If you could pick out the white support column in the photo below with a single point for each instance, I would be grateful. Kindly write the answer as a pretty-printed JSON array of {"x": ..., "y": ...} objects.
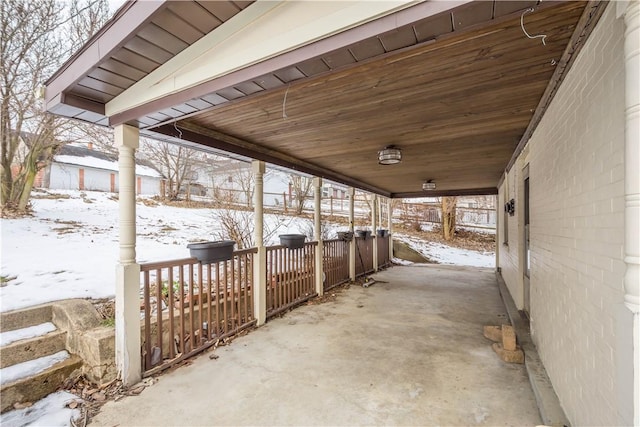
[
  {"x": 260, "y": 264},
  {"x": 352, "y": 246},
  {"x": 632, "y": 186},
  {"x": 128, "y": 355},
  {"x": 374, "y": 229},
  {"x": 317, "y": 234},
  {"x": 389, "y": 227}
]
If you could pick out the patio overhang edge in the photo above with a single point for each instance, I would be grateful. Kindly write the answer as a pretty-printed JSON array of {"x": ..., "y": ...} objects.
[
  {"x": 117, "y": 31},
  {"x": 353, "y": 35}
]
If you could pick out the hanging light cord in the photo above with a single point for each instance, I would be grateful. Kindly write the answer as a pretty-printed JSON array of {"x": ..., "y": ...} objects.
[
  {"x": 175, "y": 125},
  {"x": 542, "y": 36},
  {"x": 284, "y": 103}
]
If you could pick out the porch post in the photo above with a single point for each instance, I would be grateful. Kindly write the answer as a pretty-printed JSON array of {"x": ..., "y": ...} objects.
[
  {"x": 632, "y": 186},
  {"x": 128, "y": 356},
  {"x": 374, "y": 227},
  {"x": 352, "y": 245},
  {"x": 389, "y": 226},
  {"x": 317, "y": 234},
  {"x": 260, "y": 263}
]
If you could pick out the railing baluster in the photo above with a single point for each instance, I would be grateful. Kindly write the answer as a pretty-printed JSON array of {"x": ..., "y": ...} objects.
[
  {"x": 159, "y": 311},
  {"x": 147, "y": 320},
  {"x": 172, "y": 339},
  {"x": 218, "y": 329},
  {"x": 231, "y": 267},
  {"x": 200, "y": 297},
  {"x": 182, "y": 319}
]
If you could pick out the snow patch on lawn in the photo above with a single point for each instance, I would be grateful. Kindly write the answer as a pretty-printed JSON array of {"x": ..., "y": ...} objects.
[
  {"x": 444, "y": 254},
  {"x": 7, "y": 338}
]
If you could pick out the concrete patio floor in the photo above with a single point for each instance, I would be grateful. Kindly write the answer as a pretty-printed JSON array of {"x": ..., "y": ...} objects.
[{"x": 407, "y": 351}]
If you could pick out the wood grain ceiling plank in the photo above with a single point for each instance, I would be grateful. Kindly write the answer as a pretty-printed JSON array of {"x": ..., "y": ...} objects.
[{"x": 463, "y": 98}]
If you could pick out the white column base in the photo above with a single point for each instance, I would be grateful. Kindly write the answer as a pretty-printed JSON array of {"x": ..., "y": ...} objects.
[
  {"x": 260, "y": 286},
  {"x": 128, "y": 353}
]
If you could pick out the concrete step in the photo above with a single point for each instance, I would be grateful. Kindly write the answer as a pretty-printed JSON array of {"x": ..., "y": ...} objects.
[
  {"x": 37, "y": 386},
  {"x": 32, "y": 348},
  {"x": 32, "y": 316}
]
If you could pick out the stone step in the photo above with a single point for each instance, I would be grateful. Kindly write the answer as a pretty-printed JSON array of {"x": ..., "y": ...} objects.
[
  {"x": 32, "y": 348},
  {"x": 23, "y": 318},
  {"x": 37, "y": 386}
]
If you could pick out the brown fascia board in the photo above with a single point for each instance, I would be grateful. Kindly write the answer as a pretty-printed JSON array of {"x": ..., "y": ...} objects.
[
  {"x": 208, "y": 138},
  {"x": 123, "y": 26},
  {"x": 382, "y": 25},
  {"x": 444, "y": 193}
]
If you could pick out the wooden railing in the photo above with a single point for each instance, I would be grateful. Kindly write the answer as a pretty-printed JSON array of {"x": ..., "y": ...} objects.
[
  {"x": 188, "y": 306},
  {"x": 290, "y": 277},
  {"x": 364, "y": 255},
  {"x": 383, "y": 251},
  {"x": 335, "y": 263}
]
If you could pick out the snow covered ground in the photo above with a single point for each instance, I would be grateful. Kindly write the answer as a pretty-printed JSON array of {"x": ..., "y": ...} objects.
[{"x": 69, "y": 248}]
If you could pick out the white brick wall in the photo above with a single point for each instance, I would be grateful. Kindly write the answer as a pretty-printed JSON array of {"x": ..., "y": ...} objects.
[{"x": 576, "y": 160}]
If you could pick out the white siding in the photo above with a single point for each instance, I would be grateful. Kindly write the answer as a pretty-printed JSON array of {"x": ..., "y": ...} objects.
[{"x": 576, "y": 168}]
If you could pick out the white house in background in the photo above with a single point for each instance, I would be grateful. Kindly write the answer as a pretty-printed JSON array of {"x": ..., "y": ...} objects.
[{"x": 81, "y": 168}]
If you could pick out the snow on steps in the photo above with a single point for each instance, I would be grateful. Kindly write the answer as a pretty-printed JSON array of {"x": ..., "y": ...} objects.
[
  {"x": 37, "y": 386},
  {"x": 33, "y": 362},
  {"x": 33, "y": 347}
]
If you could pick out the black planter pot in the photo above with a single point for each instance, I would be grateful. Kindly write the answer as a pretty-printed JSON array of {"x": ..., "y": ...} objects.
[
  {"x": 345, "y": 236},
  {"x": 292, "y": 241},
  {"x": 363, "y": 234},
  {"x": 209, "y": 252},
  {"x": 383, "y": 233}
]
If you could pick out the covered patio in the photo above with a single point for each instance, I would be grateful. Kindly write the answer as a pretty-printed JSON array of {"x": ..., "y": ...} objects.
[
  {"x": 408, "y": 350},
  {"x": 399, "y": 99}
]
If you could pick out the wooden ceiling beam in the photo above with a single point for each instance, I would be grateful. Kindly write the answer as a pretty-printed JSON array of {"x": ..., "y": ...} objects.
[
  {"x": 220, "y": 141},
  {"x": 443, "y": 193}
]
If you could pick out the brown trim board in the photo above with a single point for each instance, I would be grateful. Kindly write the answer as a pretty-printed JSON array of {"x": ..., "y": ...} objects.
[
  {"x": 220, "y": 141},
  {"x": 442, "y": 193}
]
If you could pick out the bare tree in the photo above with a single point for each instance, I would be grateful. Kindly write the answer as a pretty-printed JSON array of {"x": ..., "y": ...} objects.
[
  {"x": 239, "y": 225},
  {"x": 34, "y": 40},
  {"x": 301, "y": 187},
  {"x": 449, "y": 217},
  {"x": 175, "y": 162}
]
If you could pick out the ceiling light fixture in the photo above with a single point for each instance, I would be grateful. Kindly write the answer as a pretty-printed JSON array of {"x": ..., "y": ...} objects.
[
  {"x": 390, "y": 155},
  {"x": 429, "y": 185}
]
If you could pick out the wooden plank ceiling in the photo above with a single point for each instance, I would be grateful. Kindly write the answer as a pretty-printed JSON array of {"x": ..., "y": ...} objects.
[{"x": 456, "y": 108}]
